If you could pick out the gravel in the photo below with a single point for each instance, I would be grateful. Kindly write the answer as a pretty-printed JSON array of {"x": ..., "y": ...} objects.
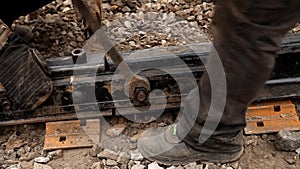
[
  {"x": 132, "y": 25},
  {"x": 57, "y": 31}
]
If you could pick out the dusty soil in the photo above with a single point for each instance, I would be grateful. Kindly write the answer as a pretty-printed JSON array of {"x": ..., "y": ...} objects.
[{"x": 57, "y": 32}]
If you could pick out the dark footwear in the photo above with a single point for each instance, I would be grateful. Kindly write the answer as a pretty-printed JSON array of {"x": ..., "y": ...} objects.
[{"x": 163, "y": 145}]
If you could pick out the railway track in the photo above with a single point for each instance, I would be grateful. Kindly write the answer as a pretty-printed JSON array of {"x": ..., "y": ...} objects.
[{"x": 91, "y": 83}]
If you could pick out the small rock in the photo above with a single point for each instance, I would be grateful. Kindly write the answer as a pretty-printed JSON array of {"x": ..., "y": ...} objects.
[
  {"x": 171, "y": 17},
  {"x": 126, "y": 9},
  {"x": 14, "y": 142},
  {"x": 27, "y": 149},
  {"x": 288, "y": 140},
  {"x": 21, "y": 151},
  {"x": 127, "y": 24},
  {"x": 199, "y": 166},
  {"x": 9, "y": 152},
  {"x": 290, "y": 161},
  {"x": 172, "y": 167},
  {"x": 94, "y": 150},
  {"x": 167, "y": 30},
  {"x": 251, "y": 140},
  {"x": 199, "y": 18},
  {"x": 141, "y": 15},
  {"x": 130, "y": 164},
  {"x": 191, "y": 18},
  {"x": 103, "y": 161},
  {"x": 41, "y": 166},
  {"x": 132, "y": 146},
  {"x": 67, "y": 2},
  {"x": 66, "y": 9},
  {"x": 154, "y": 165},
  {"x": 115, "y": 130},
  {"x": 190, "y": 165},
  {"x": 189, "y": 1},
  {"x": 42, "y": 160},
  {"x": 106, "y": 153},
  {"x": 51, "y": 18},
  {"x": 296, "y": 29},
  {"x": 210, "y": 14},
  {"x": 134, "y": 138},
  {"x": 123, "y": 166},
  {"x": 138, "y": 166},
  {"x": 96, "y": 165},
  {"x": 55, "y": 154},
  {"x": 152, "y": 16},
  {"x": 179, "y": 167},
  {"x": 28, "y": 157},
  {"x": 136, "y": 156},
  {"x": 110, "y": 162},
  {"x": 79, "y": 39},
  {"x": 114, "y": 167},
  {"x": 123, "y": 158},
  {"x": 264, "y": 137},
  {"x": 27, "y": 19},
  {"x": 235, "y": 165},
  {"x": 25, "y": 164},
  {"x": 271, "y": 138},
  {"x": 114, "y": 7},
  {"x": 132, "y": 43},
  {"x": 85, "y": 153},
  {"x": 106, "y": 22},
  {"x": 15, "y": 166},
  {"x": 71, "y": 34},
  {"x": 106, "y": 6}
]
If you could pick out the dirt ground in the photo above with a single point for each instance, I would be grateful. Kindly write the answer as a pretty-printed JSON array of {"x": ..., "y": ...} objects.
[
  {"x": 21, "y": 145},
  {"x": 56, "y": 33}
]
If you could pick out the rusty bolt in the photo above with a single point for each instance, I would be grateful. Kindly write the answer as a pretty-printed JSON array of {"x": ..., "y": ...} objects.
[
  {"x": 79, "y": 56},
  {"x": 6, "y": 105},
  {"x": 141, "y": 94}
]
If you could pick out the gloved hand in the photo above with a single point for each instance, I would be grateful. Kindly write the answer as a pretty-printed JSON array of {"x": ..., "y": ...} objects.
[{"x": 23, "y": 72}]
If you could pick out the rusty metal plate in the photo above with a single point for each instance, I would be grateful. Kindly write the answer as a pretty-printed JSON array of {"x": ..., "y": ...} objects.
[
  {"x": 72, "y": 134},
  {"x": 268, "y": 117}
]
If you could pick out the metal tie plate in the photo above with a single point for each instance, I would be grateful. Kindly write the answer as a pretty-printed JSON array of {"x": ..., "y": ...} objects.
[
  {"x": 72, "y": 134},
  {"x": 269, "y": 117}
]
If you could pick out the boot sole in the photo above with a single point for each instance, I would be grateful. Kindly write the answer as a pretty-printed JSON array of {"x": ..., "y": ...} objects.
[{"x": 201, "y": 157}]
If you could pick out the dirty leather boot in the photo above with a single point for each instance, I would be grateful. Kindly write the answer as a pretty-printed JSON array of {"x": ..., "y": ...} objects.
[
  {"x": 23, "y": 72},
  {"x": 164, "y": 146}
]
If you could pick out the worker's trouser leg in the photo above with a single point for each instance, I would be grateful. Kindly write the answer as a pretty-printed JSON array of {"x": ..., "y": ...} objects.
[{"x": 247, "y": 35}]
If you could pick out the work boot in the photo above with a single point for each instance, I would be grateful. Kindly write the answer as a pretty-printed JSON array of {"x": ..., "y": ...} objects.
[
  {"x": 22, "y": 72},
  {"x": 164, "y": 146}
]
